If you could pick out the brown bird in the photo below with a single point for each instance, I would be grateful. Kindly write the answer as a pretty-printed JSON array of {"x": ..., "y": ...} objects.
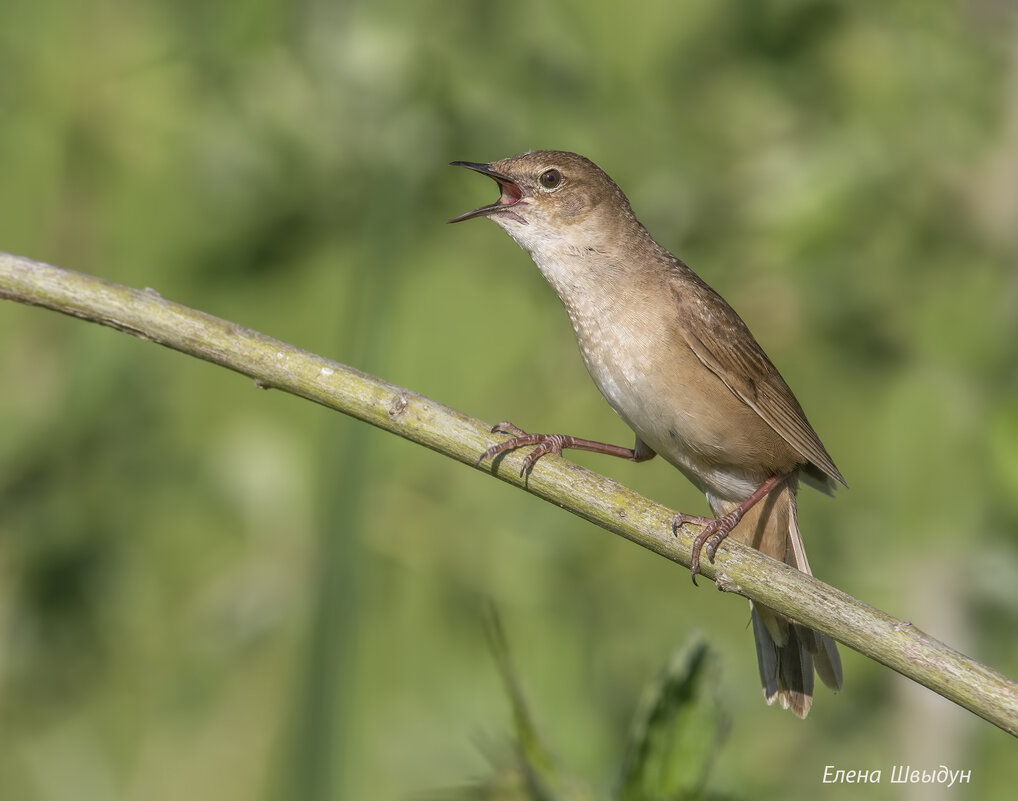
[{"x": 683, "y": 371}]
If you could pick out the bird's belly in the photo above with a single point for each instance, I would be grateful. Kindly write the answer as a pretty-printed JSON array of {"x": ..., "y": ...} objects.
[
  {"x": 689, "y": 434},
  {"x": 683, "y": 412}
]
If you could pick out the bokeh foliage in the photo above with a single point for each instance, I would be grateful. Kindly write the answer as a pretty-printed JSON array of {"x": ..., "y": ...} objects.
[{"x": 211, "y": 592}]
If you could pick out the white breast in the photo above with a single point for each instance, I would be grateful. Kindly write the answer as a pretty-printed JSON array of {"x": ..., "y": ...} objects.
[{"x": 649, "y": 396}]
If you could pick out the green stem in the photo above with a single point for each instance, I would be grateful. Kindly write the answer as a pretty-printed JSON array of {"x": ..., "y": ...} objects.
[{"x": 275, "y": 364}]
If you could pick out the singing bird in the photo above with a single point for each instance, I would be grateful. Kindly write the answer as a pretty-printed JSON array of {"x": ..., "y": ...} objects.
[{"x": 684, "y": 372}]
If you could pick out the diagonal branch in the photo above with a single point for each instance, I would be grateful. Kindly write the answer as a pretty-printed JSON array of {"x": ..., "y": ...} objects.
[{"x": 272, "y": 363}]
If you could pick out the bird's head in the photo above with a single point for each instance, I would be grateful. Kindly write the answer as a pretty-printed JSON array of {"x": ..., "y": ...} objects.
[{"x": 547, "y": 194}]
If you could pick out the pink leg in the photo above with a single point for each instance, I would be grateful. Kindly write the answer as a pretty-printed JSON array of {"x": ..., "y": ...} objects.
[
  {"x": 556, "y": 443},
  {"x": 716, "y": 529}
]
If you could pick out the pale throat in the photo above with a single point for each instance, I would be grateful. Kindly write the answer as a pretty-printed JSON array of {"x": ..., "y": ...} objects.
[
  {"x": 592, "y": 277},
  {"x": 597, "y": 294}
]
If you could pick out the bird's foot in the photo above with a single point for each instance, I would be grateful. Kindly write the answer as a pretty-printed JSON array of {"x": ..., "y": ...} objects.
[
  {"x": 556, "y": 443},
  {"x": 546, "y": 443},
  {"x": 716, "y": 529},
  {"x": 714, "y": 532}
]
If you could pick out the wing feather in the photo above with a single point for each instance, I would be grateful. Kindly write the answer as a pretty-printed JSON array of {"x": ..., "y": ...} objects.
[{"x": 724, "y": 344}]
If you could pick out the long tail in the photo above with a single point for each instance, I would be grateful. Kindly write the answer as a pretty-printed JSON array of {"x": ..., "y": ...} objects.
[{"x": 787, "y": 652}]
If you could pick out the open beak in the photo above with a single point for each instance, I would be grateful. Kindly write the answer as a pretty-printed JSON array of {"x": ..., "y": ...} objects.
[{"x": 511, "y": 192}]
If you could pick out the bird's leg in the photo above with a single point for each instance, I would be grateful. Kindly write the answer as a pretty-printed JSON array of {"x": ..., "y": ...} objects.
[
  {"x": 556, "y": 443},
  {"x": 716, "y": 529}
]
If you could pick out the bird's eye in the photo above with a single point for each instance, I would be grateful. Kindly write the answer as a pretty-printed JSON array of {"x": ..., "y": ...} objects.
[{"x": 550, "y": 178}]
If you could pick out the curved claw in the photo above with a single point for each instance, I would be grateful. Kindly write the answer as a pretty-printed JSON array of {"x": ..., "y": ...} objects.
[
  {"x": 726, "y": 524},
  {"x": 505, "y": 427},
  {"x": 714, "y": 532},
  {"x": 494, "y": 451}
]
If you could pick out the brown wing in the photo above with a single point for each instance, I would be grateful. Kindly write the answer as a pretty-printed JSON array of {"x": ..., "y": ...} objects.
[{"x": 721, "y": 340}]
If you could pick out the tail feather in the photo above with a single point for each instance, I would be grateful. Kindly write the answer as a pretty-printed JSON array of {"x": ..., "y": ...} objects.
[
  {"x": 787, "y": 652},
  {"x": 827, "y": 660},
  {"x": 786, "y": 670}
]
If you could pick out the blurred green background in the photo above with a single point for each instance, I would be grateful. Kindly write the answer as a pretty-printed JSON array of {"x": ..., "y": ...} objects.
[{"x": 208, "y": 592}]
